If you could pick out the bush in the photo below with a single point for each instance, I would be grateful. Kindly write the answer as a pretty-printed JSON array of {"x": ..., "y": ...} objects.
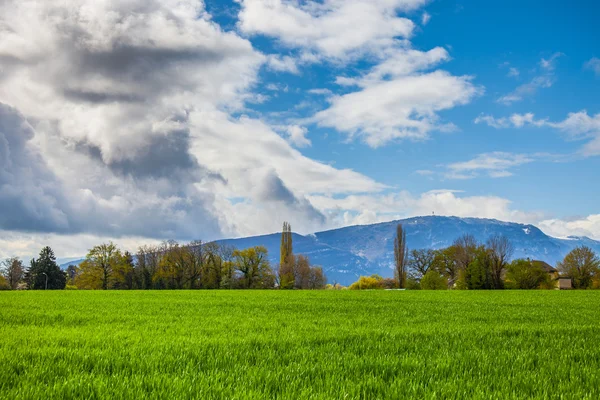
[
  {"x": 433, "y": 280},
  {"x": 367, "y": 282},
  {"x": 412, "y": 284},
  {"x": 4, "y": 284}
]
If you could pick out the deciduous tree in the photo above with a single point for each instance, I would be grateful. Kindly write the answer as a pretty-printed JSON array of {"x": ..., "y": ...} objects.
[
  {"x": 254, "y": 266},
  {"x": 523, "y": 274},
  {"x": 99, "y": 266},
  {"x": 420, "y": 261},
  {"x": 501, "y": 250},
  {"x": 13, "y": 272},
  {"x": 581, "y": 265}
]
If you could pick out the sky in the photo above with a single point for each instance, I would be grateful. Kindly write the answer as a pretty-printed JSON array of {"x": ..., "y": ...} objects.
[{"x": 138, "y": 121}]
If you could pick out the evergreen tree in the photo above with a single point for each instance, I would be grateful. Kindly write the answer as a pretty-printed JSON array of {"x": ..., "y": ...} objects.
[{"x": 45, "y": 272}]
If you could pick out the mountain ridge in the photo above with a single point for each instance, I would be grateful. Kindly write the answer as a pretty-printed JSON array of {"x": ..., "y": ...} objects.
[{"x": 348, "y": 252}]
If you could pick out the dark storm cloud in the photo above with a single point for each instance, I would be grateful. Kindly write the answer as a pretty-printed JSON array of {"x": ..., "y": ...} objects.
[
  {"x": 100, "y": 97},
  {"x": 272, "y": 189},
  {"x": 30, "y": 195}
]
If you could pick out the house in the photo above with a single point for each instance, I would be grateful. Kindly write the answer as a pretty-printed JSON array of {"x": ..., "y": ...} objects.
[
  {"x": 550, "y": 270},
  {"x": 560, "y": 282}
]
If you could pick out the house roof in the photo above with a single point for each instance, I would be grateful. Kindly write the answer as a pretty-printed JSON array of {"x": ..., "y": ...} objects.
[{"x": 545, "y": 266}]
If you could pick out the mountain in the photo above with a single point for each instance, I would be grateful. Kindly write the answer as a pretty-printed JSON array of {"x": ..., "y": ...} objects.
[{"x": 349, "y": 252}]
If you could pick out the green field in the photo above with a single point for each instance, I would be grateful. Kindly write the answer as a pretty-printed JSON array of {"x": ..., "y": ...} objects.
[{"x": 300, "y": 344}]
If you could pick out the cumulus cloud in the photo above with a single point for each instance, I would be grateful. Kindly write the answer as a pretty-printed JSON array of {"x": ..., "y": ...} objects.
[
  {"x": 297, "y": 136},
  {"x": 283, "y": 64},
  {"x": 396, "y": 99},
  {"x": 332, "y": 29},
  {"x": 399, "y": 63},
  {"x": 584, "y": 226},
  {"x": 31, "y": 197},
  {"x": 119, "y": 124},
  {"x": 404, "y": 107}
]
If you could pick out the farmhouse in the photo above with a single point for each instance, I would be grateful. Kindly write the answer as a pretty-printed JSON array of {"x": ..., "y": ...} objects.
[
  {"x": 560, "y": 282},
  {"x": 550, "y": 270}
]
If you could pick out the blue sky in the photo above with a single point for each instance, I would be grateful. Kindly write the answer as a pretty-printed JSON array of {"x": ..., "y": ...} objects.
[
  {"x": 486, "y": 41},
  {"x": 144, "y": 120}
]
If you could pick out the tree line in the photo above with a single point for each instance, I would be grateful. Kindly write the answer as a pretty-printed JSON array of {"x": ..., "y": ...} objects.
[
  {"x": 170, "y": 265},
  {"x": 468, "y": 264}
]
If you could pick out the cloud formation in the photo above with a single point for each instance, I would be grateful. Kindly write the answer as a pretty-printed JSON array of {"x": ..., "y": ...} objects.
[
  {"x": 495, "y": 165},
  {"x": 577, "y": 126},
  {"x": 544, "y": 79},
  {"x": 594, "y": 65},
  {"x": 404, "y": 107},
  {"x": 333, "y": 29},
  {"x": 120, "y": 116}
]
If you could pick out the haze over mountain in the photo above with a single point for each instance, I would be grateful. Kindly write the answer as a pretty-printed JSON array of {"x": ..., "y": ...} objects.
[{"x": 348, "y": 252}]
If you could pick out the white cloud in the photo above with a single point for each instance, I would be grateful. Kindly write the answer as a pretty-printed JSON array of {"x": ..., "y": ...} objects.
[
  {"x": 544, "y": 79},
  {"x": 26, "y": 245},
  {"x": 283, "y": 64},
  {"x": 496, "y": 165},
  {"x": 578, "y": 126},
  {"x": 398, "y": 63},
  {"x": 321, "y": 92},
  {"x": 404, "y": 107},
  {"x": 550, "y": 63},
  {"x": 585, "y": 226},
  {"x": 513, "y": 72},
  {"x": 368, "y": 209},
  {"x": 515, "y": 120},
  {"x": 493, "y": 122},
  {"x": 594, "y": 65},
  {"x": 527, "y": 89},
  {"x": 125, "y": 126},
  {"x": 425, "y": 18},
  {"x": 334, "y": 29},
  {"x": 297, "y": 136}
]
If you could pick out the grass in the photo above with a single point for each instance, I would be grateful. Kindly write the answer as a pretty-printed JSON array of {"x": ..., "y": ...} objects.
[{"x": 300, "y": 344}]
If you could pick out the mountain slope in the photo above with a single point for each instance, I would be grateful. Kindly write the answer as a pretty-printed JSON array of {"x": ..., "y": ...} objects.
[{"x": 349, "y": 252}]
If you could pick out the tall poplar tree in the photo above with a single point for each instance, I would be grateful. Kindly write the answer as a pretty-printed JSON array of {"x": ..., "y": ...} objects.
[
  {"x": 286, "y": 259},
  {"x": 286, "y": 243},
  {"x": 400, "y": 256}
]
